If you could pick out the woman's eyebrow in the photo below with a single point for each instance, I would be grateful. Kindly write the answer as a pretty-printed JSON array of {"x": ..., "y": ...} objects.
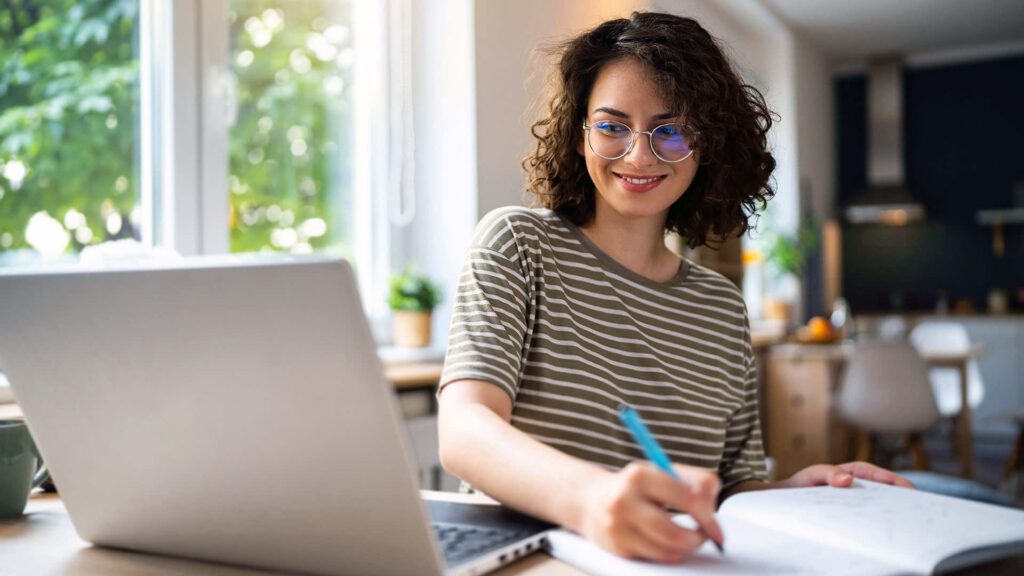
[{"x": 621, "y": 114}]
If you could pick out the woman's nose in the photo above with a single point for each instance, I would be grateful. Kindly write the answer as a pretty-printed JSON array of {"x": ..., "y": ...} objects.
[{"x": 641, "y": 155}]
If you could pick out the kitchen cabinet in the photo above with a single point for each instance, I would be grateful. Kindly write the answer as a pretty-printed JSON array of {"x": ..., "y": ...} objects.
[{"x": 801, "y": 426}]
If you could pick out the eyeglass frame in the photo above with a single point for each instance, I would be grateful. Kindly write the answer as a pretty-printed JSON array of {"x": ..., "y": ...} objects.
[{"x": 633, "y": 138}]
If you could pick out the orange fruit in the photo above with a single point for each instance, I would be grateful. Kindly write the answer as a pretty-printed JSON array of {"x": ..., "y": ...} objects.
[{"x": 819, "y": 329}]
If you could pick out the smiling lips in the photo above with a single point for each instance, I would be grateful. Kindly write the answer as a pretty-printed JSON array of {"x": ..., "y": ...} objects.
[{"x": 639, "y": 183}]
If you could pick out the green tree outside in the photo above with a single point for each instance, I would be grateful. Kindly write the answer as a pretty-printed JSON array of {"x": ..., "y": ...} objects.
[{"x": 69, "y": 109}]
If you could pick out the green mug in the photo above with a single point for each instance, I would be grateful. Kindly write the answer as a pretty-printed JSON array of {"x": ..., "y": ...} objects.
[{"x": 21, "y": 467}]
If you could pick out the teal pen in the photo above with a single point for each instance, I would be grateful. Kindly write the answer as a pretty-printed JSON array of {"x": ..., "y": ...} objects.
[{"x": 631, "y": 418}]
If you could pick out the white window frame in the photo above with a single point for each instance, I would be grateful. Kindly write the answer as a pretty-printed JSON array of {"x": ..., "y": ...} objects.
[{"x": 187, "y": 110}]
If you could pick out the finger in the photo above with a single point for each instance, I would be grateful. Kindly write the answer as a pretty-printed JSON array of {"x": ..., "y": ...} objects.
[
  {"x": 656, "y": 525},
  {"x": 696, "y": 493},
  {"x": 685, "y": 493},
  {"x": 839, "y": 477},
  {"x": 874, "y": 473}
]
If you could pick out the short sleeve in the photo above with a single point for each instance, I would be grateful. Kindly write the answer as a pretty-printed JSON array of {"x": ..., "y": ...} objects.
[
  {"x": 489, "y": 316},
  {"x": 743, "y": 457}
]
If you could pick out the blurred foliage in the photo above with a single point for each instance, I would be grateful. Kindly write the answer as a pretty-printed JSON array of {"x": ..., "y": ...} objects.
[
  {"x": 412, "y": 291},
  {"x": 68, "y": 105},
  {"x": 69, "y": 109},
  {"x": 787, "y": 252},
  {"x": 293, "y": 63}
]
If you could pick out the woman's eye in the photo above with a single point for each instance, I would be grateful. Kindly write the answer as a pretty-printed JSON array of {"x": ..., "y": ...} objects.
[
  {"x": 670, "y": 131},
  {"x": 611, "y": 128}
]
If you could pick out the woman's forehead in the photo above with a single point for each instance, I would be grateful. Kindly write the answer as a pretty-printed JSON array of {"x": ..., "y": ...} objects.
[{"x": 627, "y": 88}]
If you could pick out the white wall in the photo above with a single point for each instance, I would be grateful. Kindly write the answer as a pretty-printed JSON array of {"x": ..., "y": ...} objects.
[
  {"x": 445, "y": 148},
  {"x": 815, "y": 105},
  {"x": 816, "y": 158}
]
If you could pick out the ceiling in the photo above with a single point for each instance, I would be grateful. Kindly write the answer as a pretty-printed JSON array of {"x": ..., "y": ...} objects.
[{"x": 855, "y": 30}]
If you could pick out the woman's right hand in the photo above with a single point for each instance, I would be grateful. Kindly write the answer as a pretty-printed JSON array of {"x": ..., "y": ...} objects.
[{"x": 625, "y": 512}]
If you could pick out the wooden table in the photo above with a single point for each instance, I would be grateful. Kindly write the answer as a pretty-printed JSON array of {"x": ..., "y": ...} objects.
[
  {"x": 962, "y": 421},
  {"x": 43, "y": 541},
  {"x": 413, "y": 375},
  {"x": 782, "y": 391}
]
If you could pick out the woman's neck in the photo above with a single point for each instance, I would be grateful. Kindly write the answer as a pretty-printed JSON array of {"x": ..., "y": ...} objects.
[{"x": 637, "y": 244}]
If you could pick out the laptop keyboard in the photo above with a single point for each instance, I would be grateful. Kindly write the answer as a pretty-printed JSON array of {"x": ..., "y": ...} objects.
[{"x": 461, "y": 542}]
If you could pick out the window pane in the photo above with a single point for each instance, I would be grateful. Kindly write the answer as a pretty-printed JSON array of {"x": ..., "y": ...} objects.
[
  {"x": 291, "y": 173},
  {"x": 69, "y": 117}
]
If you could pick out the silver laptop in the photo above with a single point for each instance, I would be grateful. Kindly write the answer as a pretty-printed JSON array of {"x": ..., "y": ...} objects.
[{"x": 234, "y": 412}]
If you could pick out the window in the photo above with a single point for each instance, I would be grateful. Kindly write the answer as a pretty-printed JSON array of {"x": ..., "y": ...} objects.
[
  {"x": 204, "y": 126},
  {"x": 69, "y": 127}
]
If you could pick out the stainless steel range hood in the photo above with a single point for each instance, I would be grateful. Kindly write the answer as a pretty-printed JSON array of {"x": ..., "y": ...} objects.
[{"x": 886, "y": 200}]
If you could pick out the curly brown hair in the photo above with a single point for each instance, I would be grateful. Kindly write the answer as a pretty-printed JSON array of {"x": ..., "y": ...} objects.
[{"x": 730, "y": 117}]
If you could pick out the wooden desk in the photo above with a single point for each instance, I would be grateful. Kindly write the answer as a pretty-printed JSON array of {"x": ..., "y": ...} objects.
[
  {"x": 413, "y": 375},
  {"x": 43, "y": 541},
  {"x": 799, "y": 424}
]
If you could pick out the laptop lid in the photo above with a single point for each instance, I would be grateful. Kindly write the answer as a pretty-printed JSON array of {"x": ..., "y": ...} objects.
[{"x": 222, "y": 410}]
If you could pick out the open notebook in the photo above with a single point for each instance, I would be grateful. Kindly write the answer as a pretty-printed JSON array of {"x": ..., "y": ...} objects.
[{"x": 868, "y": 528}]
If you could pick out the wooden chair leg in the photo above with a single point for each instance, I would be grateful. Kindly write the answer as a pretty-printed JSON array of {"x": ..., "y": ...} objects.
[
  {"x": 865, "y": 446},
  {"x": 1013, "y": 462},
  {"x": 954, "y": 436},
  {"x": 916, "y": 443}
]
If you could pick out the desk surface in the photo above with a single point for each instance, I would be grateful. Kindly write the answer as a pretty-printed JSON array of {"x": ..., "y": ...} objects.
[
  {"x": 841, "y": 352},
  {"x": 43, "y": 541},
  {"x": 413, "y": 374}
]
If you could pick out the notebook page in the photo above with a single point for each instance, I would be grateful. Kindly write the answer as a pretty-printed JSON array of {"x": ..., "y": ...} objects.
[
  {"x": 751, "y": 550},
  {"x": 895, "y": 525}
]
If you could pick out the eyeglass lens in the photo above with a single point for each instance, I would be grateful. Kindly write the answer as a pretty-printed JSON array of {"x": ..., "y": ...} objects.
[{"x": 612, "y": 139}]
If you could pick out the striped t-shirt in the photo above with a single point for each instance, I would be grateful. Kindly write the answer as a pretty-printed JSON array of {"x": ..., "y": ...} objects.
[{"x": 569, "y": 334}]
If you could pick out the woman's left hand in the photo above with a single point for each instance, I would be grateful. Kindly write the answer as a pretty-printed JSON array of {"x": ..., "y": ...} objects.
[{"x": 842, "y": 475}]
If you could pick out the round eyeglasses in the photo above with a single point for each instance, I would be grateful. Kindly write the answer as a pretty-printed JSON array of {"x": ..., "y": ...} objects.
[{"x": 613, "y": 140}]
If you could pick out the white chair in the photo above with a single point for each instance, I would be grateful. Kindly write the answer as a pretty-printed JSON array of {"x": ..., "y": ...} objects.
[
  {"x": 949, "y": 337},
  {"x": 892, "y": 328},
  {"x": 885, "y": 390}
]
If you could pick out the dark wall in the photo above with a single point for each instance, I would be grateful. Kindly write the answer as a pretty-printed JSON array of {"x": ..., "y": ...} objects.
[{"x": 964, "y": 149}]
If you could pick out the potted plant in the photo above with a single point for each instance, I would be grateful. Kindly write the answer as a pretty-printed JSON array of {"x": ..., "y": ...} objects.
[
  {"x": 412, "y": 298},
  {"x": 786, "y": 253}
]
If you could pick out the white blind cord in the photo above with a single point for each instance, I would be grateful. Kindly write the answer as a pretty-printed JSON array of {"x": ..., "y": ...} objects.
[{"x": 401, "y": 166}]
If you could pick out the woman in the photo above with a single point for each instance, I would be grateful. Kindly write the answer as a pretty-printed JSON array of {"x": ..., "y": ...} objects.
[{"x": 566, "y": 312}]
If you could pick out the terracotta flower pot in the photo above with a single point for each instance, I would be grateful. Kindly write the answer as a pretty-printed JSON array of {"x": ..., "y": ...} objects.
[{"x": 412, "y": 329}]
